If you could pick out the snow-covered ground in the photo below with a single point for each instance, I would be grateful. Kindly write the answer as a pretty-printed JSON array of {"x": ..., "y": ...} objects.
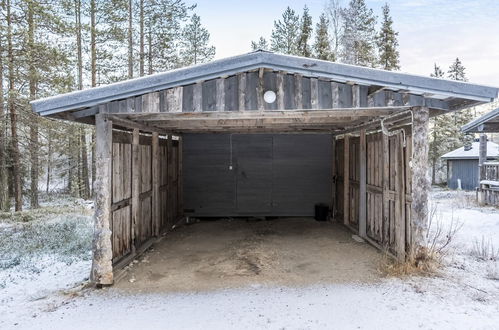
[{"x": 464, "y": 296}]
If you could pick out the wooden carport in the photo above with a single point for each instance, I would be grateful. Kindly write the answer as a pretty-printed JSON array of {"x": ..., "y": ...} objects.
[{"x": 377, "y": 121}]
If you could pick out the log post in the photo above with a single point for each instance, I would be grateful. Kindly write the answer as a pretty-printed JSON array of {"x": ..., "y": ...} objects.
[
  {"x": 346, "y": 180},
  {"x": 362, "y": 185},
  {"x": 169, "y": 189},
  {"x": 102, "y": 263},
  {"x": 333, "y": 178},
  {"x": 400, "y": 234},
  {"x": 420, "y": 181},
  {"x": 482, "y": 157},
  {"x": 180, "y": 180}
]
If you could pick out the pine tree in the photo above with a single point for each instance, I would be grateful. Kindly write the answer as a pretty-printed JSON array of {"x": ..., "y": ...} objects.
[
  {"x": 437, "y": 72},
  {"x": 305, "y": 34},
  {"x": 285, "y": 34},
  {"x": 261, "y": 44},
  {"x": 358, "y": 40},
  {"x": 322, "y": 45},
  {"x": 457, "y": 71},
  {"x": 195, "y": 43},
  {"x": 387, "y": 43},
  {"x": 4, "y": 196}
]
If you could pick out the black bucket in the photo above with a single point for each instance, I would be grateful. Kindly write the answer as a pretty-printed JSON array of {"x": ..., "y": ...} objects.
[{"x": 321, "y": 212}]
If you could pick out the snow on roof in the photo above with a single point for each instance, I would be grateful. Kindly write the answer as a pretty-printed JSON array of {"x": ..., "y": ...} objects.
[{"x": 460, "y": 153}]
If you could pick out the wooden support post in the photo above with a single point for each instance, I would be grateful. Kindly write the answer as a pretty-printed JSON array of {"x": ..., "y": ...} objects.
[
  {"x": 420, "y": 181},
  {"x": 102, "y": 263},
  {"x": 155, "y": 183},
  {"x": 135, "y": 186},
  {"x": 400, "y": 206},
  {"x": 362, "y": 185},
  {"x": 346, "y": 180},
  {"x": 482, "y": 157}
]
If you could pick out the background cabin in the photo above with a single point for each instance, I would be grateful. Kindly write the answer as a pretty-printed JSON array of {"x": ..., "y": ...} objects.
[{"x": 462, "y": 165}]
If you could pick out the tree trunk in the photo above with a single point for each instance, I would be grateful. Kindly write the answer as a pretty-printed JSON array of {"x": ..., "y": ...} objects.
[
  {"x": 84, "y": 165},
  {"x": 141, "y": 46},
  {"x": 16, "y": 163},
  {"x": 4, "y": 194},
  {"x": 93, "y": 45},
  {"x": 33, "y": 143},
  {"x": 149, "y": 51},
  {"x": 420, "y": 182},
  {"x": 49, "y": 159},
  {"x": 130, "y": 40}
]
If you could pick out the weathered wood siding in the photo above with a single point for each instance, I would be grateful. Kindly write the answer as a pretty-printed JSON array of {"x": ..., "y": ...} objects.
[
  {"x": 388, "y": 187},
  {"x": 127, "y": 236},
  {"x": 244, "y": 92}
]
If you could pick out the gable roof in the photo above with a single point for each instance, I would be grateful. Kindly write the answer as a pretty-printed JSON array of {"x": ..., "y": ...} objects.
[
  {"x": 438, "y": 88},
  {"x": 460, "y": 153},
  {"x": 489, "y": 122}
]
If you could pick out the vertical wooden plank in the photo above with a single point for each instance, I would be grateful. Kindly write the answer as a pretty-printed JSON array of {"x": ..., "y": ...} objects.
[
  {"x": 220, "y": 94},
  {"x": 355, "y": 96},
  {"x": 197, "y": 97},
  {"x": 135, "y": 185},
  {"x": 386, "y": 181},
  {"x": 420, "y": 182},
  {"x": 102, "y": 263},
  {"x": 335, "y": 94},
  {"x": 241, "y": 90},
  {"x": 150, "y": 102},
  {"x": 362, "y": 184},
  {"x": 346, "y": 180},
  {"x": 298, "y": 91},
  {"x": 314, "y": 93},
  {"x": 280, "y": 90},
  {"x": 174, "y": 99},
  {"x": 155, "y": 183},
  {"x": 259, "y": 90}
]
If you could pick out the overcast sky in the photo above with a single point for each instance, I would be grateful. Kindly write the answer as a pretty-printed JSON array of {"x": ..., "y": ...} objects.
[{"x": 429, "y": 30}]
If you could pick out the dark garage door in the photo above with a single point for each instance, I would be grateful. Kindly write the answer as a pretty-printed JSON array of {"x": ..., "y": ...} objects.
[{"x": 256, "y": 174}]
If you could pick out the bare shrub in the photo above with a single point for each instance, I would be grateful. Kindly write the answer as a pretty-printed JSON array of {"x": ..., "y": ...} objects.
[
  {"x": 484, "y": 250},
  {"x": 429, "y": 258}
]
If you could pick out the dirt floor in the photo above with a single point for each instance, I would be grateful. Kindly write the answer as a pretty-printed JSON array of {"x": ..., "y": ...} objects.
[{"x": 211, "y": 255}]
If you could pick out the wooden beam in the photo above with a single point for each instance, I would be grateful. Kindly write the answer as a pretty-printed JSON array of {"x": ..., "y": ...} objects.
[
  {"x": 314, "y": 93},
  {"x": 299, "y": 113},
  {"x": 155, "y": 183},
  {"x": 174, "y": 99},
  {"x": 259, "y": 90},
  {"x": 130, "y": 124},
  {"x": 135, "y": 184},
  {"x": 420, "y": 182},
  {"x": 180, "y": 181},
  {"x": 333, "y": 177},
  {"x": 102, "y": 263},
  {"x": 346, "y": 180},
  {"x": 362, "y": 185},
  {"x": 169, "y": 193}
]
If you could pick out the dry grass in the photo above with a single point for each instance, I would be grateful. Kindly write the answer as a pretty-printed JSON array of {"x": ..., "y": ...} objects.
[
  {"x": 428, "y": 259},
  {"x": 485, "y": 250}
]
